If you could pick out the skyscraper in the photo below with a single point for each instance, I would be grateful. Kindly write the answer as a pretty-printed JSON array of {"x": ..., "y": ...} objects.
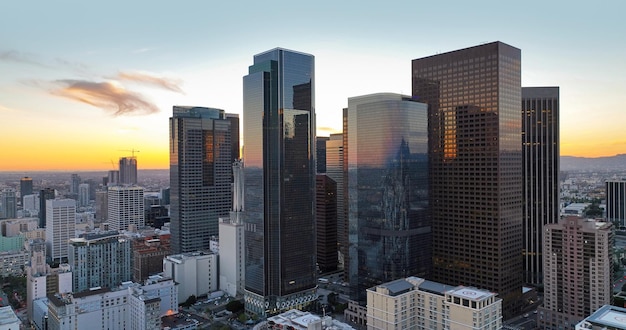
[
  {"x": 128, "y": 170},
  {"x": 540, "y": 155},
  {"x": 579, "y": 270},
  {"x": 279, "y": 156},
  {"x": 474, "y": 98},
  {"x": 320, "y": 156},
  {"x": 389, "y": 217},
  {"x": 326, "y": 220},
  {"x": 335, "y": 171},
  {"x": 60, "y": 227},
  {"x": 616, "y": 202},
  {"x": 26, "y": 188},
  {"x": 8, "y": 204},
  {"x": 232, "y": 244},
  {"x": 83, "y": 194},
  {"x": 125, "y": 207},
  {"x": 100, "y": 260},
  {"x": 74, "y": 182},
  {"x": 44, "y": 195},
  {"x": 200, "y": 175}
]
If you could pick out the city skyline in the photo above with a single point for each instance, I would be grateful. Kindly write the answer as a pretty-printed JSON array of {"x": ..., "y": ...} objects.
[{"x": 80, "y": 88}]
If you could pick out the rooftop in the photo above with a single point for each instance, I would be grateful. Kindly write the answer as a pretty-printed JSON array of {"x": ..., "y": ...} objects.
[
  {"x": 606, "y": 317},
  {"x": 7, "y": 316}
]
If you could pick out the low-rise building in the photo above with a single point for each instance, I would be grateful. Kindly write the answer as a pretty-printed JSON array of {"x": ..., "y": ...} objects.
[
  {"x": 8, "y": 319},
  {"x": 606, "y": 317},
  {"x": 299, "y": 320},
  {"x": 195, "y": 272},
  {"x": 417, "y": 303}
]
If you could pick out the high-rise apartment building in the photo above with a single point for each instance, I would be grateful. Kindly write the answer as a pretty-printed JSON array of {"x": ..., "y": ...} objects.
[
  {"x": 279, "y": 156},
  {"x": 44, "y": 195},
  {"x": 8, "y": 204},
  {"x": 335, "y": 171},
  {"x": 540, "y": 155},
  {"x": 26, "y": 188},
  {"x": 200, "y": 175},
  {"x": 326, "y": 221},
  {"x": 100, "y": 260},
  {"x": 474, "y": 98},
  {"x": 60, "y": 227},
  {"x": 616, "y": 202},
  {"x": 74, "y": 182},
  {"x": 125, "y": 207},
  {"x": 128, "y": 170},
  {"x": 389, "y": 217},
  {"x": 102, "y": 205},
  {"x": 578, "y": 271}
]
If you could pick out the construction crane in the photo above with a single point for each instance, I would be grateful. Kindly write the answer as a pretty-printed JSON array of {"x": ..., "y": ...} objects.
[{"x": 132, "y": 151}]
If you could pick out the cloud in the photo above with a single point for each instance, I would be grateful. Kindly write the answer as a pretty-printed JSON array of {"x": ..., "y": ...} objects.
[
  {"x": 108, "y": 96},
  {"x": 150, "y": 79},
  {"x": 15, "y": 56},
  {"x": 6, "y": 109},
  {"x": 328, "y": 130}
]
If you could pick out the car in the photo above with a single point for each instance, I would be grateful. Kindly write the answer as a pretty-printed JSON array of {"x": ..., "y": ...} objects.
[{"x": 525, "y": 315}]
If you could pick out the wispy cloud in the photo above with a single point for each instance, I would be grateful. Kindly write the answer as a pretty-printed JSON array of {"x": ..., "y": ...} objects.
[
  {"x": 15, "y": 56},
  {"x": 108, "y": 96},
  {"x": 328, "y": 130},
  {"x": 153, "y": 80},
  {"x": 6, "y": 109}
]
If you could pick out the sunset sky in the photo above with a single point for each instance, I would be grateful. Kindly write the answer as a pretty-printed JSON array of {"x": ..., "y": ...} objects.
[{"x": 82, "y": 83}]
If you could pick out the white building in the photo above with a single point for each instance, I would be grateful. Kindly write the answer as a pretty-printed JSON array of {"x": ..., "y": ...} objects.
[
  {"x": 196, "y": 273},
  {"x": 299, "y": 320},
  {"x": 60, "y": 227},
  {"x": 8, "y": 319},
  {"x": 232, "y": 246},
  {"x": 129, "y": 306},
  {"x": 31, "y": 203},
  {"x": 606, "y": 317},
  {"x": 414, "y": 303},
  {"x": 125, "y": 207}
]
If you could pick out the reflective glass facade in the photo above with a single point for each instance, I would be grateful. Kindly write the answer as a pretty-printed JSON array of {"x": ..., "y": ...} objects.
[
  {"x": 200, "y": 176},
  {"x": 474, "y": 98},
  {"x": 389, "y": 233},
  {"x": 540, "y": 152},
  {"x": 279, "y": 158}
]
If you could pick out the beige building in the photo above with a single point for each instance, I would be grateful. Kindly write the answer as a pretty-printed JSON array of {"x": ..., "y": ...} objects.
[
  {"x": 196, "y": 273},
  {"x": 578, "y": 267},
  {"x": 415, "y": 303}
]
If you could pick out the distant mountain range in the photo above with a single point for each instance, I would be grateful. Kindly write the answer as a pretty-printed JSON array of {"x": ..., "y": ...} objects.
[{"x": 613, "y": 163}]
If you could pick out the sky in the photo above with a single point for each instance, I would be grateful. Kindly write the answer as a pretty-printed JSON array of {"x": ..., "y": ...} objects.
[{"x": 83, "y": 83}]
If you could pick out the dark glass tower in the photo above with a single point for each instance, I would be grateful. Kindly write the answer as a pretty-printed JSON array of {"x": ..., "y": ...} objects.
[
  {"x": 474, "y": 98},
  {"x": 26, "y": 188},
  {"x": 279, "y": 156},
  {"x": 44, "y": 195},
  {"x": 200, "y": 175},
  {"x": 389, "y": 232},
  {"x": 616, "y": 202},
  {"x": 540, "y": 154}
]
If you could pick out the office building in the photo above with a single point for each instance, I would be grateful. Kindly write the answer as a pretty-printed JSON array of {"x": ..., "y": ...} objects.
[
  {"x": 74, "y": 182},
  {"x": 234, "y": 136},
  {"x": 128, "y": 306},
  {"x": 279, "y": 156},
  {"x": 26, "y": 188},
  {"x": 389, "y": 216},
  {"x": 60, "y": 227},
  {"x": 102, "y": 206},
  {"x": 200, "y": 175},
  {"x": 83, "y": 194},
  {"x": 616, "y": 202},
  {"x": 44, "y": 195},
  {"x": 320, "y": 155},
  {"x": 414, "y": 303},
  {"x": 100, "y": 260},
  {"x": 578, "y": 271},
  {"x": 232, "y": 245},
  {"x": 475, "y": 150},
  {"x": 196, "y": 273},
  {"x": 540, "y": 156},
  {"x": 125, "y": 207},
  {"x": 30, "y": 205},
  {"x": 113, "y": 178},
  {"x": 606, "y": 317},
  {"x": 335, "y": 171},
  {"x": 128, "y": 170},
  {"x": 8, "y": 204},
  {"x": 326, "y": 220}
]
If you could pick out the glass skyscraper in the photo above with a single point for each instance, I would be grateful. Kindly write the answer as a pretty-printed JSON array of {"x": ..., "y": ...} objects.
[
  {"x": 200, "y": 175},
  {"x": 389, "y": 233},
  {"x": 540, "y": 154},
  {"x": 279, "y": 170},
  {"x": 475, "y": 147}
]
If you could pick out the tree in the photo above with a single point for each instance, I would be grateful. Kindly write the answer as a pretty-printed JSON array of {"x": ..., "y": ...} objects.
[
  {"x": 190, "y": 301},
  {"x": 234, "y": 306}
]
